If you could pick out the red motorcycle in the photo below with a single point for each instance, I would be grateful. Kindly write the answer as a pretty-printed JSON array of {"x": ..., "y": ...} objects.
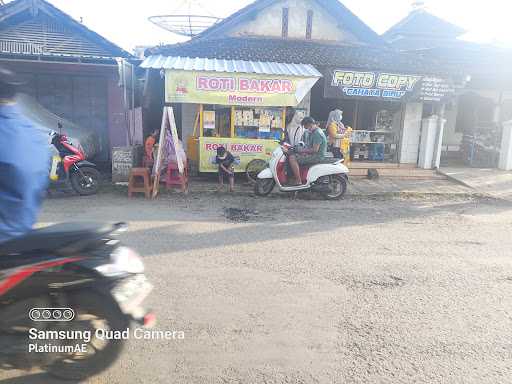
[{"x": 71, "y": 165}]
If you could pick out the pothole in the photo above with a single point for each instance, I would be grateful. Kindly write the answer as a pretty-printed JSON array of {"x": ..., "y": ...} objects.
[
  {"x": 386, "y": 282},
  {"x": 239, "y": 215}
]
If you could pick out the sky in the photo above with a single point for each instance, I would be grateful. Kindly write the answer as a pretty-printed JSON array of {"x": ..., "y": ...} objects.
[{"x": 126, "y": 22}]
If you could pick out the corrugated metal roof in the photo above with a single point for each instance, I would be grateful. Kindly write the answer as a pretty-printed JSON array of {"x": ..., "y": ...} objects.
[{"x": 221, "y": 65}]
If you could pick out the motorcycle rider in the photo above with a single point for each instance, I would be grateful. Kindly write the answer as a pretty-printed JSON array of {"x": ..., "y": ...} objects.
[
  {"x": 24, "y": 161},
  {"x": 315, "y": 150}
]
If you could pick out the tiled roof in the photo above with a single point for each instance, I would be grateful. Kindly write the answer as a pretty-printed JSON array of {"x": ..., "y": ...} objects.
[
  {"x": 421, "y": 22},
  {"x": 306, "y": 52},
  {"x": 16, "y": 8},
  {"x": 476, "y": 58}
]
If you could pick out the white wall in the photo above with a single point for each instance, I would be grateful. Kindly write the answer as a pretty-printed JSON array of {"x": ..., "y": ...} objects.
[
  {"x": 268, "y": 23},
  {"x": 411, "y": 132},
  {"x": 505, "y": 162}
]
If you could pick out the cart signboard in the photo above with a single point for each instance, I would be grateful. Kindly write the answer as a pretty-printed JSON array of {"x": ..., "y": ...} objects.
[
  {"x": 168, "y": 127},
  {"x": 244, "y": 150},
  {"x": 228, "y": 88}
]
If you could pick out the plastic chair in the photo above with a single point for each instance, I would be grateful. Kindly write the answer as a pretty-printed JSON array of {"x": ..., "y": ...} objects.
[{"x": 175, "y": 178}]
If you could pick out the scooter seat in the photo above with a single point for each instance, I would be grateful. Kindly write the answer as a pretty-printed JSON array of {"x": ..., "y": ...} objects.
[{"x": 57, "y": 237}]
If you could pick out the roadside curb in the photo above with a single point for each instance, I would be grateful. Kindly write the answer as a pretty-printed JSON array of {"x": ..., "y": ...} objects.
[
  {"x": 455, "y": 180},
  {"x": 122, "y": 189},
  {"x": 482, "y": 194}
]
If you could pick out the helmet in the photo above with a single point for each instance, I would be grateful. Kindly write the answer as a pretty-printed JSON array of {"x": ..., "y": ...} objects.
[{"x": 308, "y": 120}]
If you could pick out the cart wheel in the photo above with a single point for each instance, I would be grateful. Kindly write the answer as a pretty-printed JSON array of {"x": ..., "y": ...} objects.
[{"x": 254, "y": 168}]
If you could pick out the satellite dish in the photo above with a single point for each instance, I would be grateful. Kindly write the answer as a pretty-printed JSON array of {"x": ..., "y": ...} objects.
[
  {"x": 186, "y": 20},
  {"x": 184, "y": 25}
]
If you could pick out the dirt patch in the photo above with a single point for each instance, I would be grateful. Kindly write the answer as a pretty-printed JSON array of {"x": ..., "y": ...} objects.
[{"x": 372, "y": 282}]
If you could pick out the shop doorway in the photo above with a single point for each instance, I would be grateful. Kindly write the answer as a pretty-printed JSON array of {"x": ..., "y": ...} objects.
[
  {"x": 377, "y": 131},
  {"x": 473, "y": 138}
]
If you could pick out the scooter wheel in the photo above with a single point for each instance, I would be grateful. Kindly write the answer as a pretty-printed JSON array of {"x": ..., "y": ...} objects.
[
  {"x": 254, "y": 167},
  {"x": 263, "y": 187},
  {"x": 337, "y": 188},
  {"x": 86, "y": 182}
]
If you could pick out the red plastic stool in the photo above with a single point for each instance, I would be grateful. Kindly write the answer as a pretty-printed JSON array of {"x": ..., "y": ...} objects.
[{"x": 174, "y": 178}]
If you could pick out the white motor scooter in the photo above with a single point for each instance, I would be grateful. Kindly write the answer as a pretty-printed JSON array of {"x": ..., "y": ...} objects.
[{"x": 328, "y": 178}]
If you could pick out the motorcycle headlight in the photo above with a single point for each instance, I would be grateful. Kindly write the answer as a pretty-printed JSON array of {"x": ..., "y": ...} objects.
[{"x": 123, "y": 260}]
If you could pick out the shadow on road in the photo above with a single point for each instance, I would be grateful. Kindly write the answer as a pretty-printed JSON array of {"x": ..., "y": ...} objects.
[
  {"x": 280, "y": 223},
  {"x": 277, "y": 218},
  {"x": 37, "y": 378}
]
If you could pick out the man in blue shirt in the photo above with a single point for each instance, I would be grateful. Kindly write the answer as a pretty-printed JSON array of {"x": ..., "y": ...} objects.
[{"x": 24, "y": 164}]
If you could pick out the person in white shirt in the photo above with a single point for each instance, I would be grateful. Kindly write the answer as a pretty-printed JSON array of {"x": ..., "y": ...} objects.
[{"x": 294, "y": 129}]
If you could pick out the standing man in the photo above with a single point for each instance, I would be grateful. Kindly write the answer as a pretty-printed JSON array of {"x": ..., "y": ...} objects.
[
  {"x": 24, "y": 164},
  {"x": 314, "y": 152}
]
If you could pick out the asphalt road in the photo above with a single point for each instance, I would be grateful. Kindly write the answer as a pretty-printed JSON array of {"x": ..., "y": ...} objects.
[{"x": 356, "y": 291}]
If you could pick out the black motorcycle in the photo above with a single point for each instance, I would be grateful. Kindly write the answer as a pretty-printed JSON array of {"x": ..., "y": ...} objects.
[{"x": 68, "y": 294}]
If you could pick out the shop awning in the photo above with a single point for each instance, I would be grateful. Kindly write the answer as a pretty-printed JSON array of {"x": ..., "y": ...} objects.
[{"x": 233, "y": 66}]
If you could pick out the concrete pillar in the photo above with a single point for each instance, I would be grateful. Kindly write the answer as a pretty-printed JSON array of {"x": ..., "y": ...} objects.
[
  {"x": 428, "y": 142},
  {"x": 506, "y": 147},
  {"x": 411, "y": 129},
  {"x": 441, "y": 122}
]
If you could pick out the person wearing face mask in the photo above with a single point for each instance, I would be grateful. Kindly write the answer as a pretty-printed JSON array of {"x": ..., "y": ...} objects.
[{"x": 336, "y": 131}]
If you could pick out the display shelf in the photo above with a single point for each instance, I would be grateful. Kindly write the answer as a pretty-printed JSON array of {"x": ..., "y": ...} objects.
[
  {"x": 371, "y": 142},
  {"x": 258, "y": 122},
  {"x": 364, "y": 130}
]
